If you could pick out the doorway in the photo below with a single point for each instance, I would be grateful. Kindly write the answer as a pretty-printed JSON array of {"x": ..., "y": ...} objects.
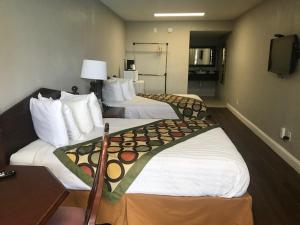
[{"x": 207, "y": 60}]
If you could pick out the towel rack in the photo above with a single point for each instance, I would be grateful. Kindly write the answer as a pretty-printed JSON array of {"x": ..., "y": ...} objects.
[{"x": 166, "y": 59}]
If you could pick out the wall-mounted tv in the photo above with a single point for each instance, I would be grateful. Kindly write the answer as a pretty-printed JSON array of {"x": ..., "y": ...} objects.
[{"x": 283, "y": 54}]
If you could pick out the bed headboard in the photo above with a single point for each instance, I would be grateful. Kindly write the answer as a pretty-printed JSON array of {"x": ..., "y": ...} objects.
[{"x": 16, "y": 127}]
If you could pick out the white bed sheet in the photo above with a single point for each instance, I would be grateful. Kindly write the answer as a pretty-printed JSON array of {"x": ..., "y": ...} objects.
[
  {"x": 205, "y": 165},
  {"x": 145, "y": 108}
]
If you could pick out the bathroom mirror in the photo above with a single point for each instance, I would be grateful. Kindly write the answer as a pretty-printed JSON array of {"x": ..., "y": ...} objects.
[{"x": 202, "y": 56}]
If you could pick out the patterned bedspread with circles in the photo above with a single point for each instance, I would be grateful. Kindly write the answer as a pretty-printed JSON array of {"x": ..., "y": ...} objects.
[{"x": 128, "y": 151}]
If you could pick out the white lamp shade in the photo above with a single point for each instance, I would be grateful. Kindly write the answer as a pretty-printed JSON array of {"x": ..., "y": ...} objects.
[{"x": 94, "y": 70}]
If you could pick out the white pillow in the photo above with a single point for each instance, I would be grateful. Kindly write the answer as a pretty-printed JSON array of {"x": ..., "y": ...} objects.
[
  {"x": 95, "y": 110},
  {"x": 81, "y": 113},
  {"x": 40, "y": 97},
  {"x": 93, "y": 106},
  {"x": 131, "y": 88},
  {"x": 125, "y": 89},
  {"x": 112, "y": 91},
  {"x": 73, "y": 131},
  {"x": 48, "y": 121}
]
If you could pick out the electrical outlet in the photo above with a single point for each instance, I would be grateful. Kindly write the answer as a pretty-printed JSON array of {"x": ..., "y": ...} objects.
[
  {"x": 237, "y": 101},
  {"x": 282, "y": 132},
  {"x": 285, "y": 134},
  {"x": 289, "y": 134},
  {"x": 170, "y": 30}
]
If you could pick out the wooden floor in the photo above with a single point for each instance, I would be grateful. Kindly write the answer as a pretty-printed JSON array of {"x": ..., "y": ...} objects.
[{"x": 274, "y": 185}]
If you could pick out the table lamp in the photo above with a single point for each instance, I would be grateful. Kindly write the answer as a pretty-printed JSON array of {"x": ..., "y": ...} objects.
[{"x": 97, "y": 71}]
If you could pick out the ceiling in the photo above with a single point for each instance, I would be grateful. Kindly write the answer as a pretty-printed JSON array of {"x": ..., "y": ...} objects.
[{"x": 143, "y": 10}]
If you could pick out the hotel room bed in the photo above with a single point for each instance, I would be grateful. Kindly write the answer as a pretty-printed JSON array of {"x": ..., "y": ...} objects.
[
  {"x": 205, "y": 186},
  {"x": 205, "y": 165},
  {"x": 145, "y": 108}
]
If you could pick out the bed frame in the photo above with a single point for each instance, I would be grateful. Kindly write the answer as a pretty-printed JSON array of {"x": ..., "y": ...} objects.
[
  {"x": 16, "y": 131},
  {"x": 16, "y": 127}
]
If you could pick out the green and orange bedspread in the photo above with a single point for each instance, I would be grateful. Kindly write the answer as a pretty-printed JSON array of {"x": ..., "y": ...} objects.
[
  {"x": 128, "y": 152},
  {"x": 186, "y": 108}
]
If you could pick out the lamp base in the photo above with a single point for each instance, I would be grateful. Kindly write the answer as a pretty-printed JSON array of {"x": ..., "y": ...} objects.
[
  {"x": 96, "y": 87},
  {"x": 75, "y": 90}
]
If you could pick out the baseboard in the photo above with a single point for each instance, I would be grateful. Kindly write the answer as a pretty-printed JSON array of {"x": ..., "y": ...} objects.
[{"x": 276, "y": 147}]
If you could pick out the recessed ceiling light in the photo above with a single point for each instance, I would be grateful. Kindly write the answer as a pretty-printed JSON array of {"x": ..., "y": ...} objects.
[{"x": 178, "y": 14}]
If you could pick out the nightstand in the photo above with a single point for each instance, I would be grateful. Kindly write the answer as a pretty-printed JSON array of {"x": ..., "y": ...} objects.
[
  {"x": 31, "y": 196},
  {"x": 113, "y": 112}
]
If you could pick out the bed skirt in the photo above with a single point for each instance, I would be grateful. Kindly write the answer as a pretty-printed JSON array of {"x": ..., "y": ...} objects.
[{"x": 136, "y": 209}]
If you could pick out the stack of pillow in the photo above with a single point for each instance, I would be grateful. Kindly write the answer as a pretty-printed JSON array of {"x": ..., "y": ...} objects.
[
  {"x": 118, "y": 90},
  {"x": 61, "y": 122}
]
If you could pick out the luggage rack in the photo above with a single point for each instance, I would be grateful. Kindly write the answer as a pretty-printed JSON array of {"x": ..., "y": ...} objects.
[{"x": 165, "y": 74}]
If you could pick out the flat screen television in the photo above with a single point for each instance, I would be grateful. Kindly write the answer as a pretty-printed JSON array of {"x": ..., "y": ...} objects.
[{"x": 283, "y": 55}]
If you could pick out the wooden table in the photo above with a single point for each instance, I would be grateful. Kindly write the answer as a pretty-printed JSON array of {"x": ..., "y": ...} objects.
[{"x": 30, "y": 197}]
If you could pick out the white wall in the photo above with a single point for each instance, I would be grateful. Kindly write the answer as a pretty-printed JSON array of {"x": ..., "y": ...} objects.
[
  {"x": 43, "y": 43},
  {"x": 266, "y": 100},
  {"x": 178, "y": 57}
]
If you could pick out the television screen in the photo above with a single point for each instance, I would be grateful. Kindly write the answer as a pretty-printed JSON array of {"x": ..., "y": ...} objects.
[{"x": 283, "y": 59}]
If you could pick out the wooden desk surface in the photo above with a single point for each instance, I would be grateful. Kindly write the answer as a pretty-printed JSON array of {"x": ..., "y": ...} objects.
[{"x": 30, "y": 197}]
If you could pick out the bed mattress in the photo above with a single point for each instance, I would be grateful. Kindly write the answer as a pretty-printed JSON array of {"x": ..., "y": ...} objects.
[
  {"x": 144, "y": 108},
  {"x": 205, "y": 165}
]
